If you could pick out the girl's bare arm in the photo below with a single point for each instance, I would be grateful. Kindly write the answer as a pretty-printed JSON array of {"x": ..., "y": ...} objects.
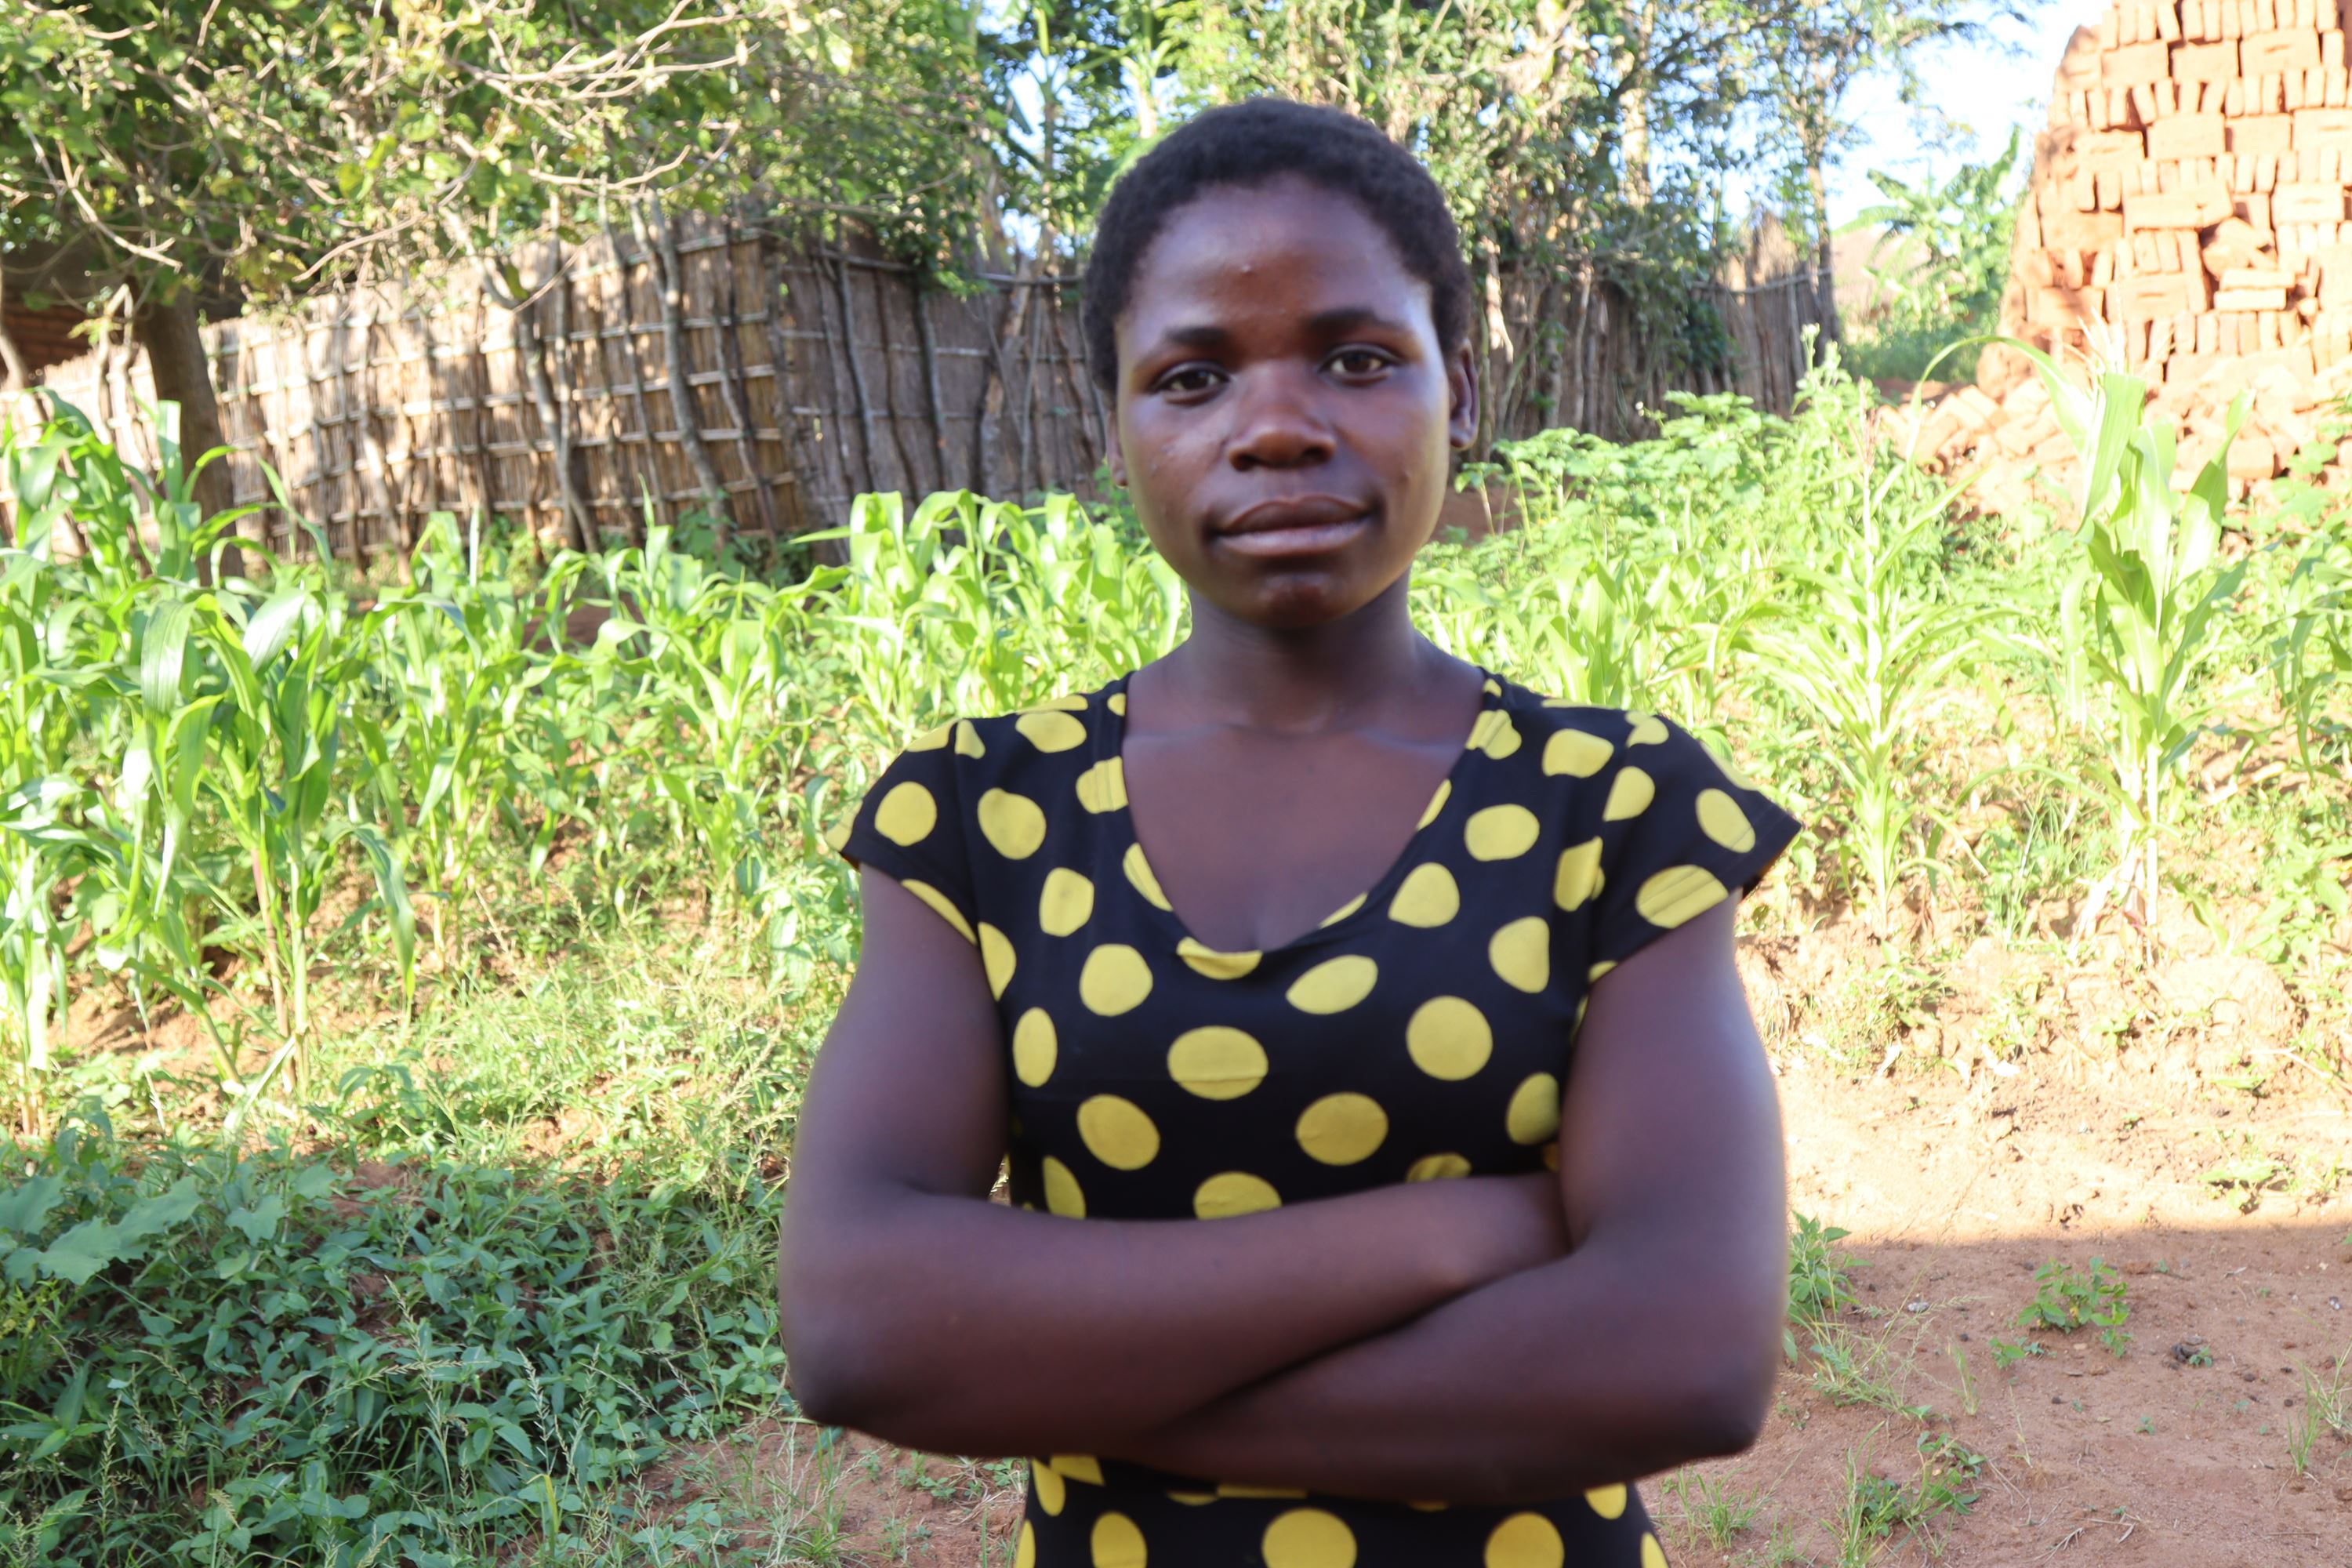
[{"x": 914, "y": 1309}]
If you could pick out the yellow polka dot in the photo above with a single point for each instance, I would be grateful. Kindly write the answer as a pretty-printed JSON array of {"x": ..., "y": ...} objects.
[
  {"x": 1629, "y": 795},
  {"x": 1720, "y": 818},
  {"x": 1238, "y": 1489},
  {"x": 1117, "y": 1543},
  {"x": 1231, "y": 1193},
  {"x": 1677, "y": 894},
  {"x": 1035, "y": 1047},
  {"x": 838, "y": 835},
  {"x": 1649, "y": 729},
  {"x": 1437, "y": 803},
  {"x": 1117, "y": 1133},
  {"x": 1341, "y": 1128},
  {"x": 1190, "y": 1500},
  {"x": 943, "y": 905},
  {"x": 1482, "y": 729},
  {"x": 1525, "y": 1541},
  {"x": 1551, "y": 1156},
  {"x": 1437, "y": 1168},
  {"x": 1600, "y": 969},
  {"x": 1068, "y": 702},
  {"x": 1051, "y": 731},
  {"x": 1533, "y": 1114},
  {"x": 1427, "y": 896},
  {"x": 1078, "y": 1467},
  {"x": 1103, "y": 787},
  {"x": 1114, "y": 980},
  {"x": 1012, "y": 823},
  {"x": 1502, "y": 740},
  {"x": 1501, "y": 832},
  {"x": 1492, "y": 687},
  {"x": 1608, "y": 1501},
  {"x": 1062, "y": 1196},
  {"x": 1308, "y": 1537},
  {"x": 967, "y": 742},
  {"x": 932, "y": 740},
  {"x": 1118, "y": 703},
  {"x": 1215, "y": 965},
  {"x": 996, "y": 957},
  {"x": 1521, "y": 953},
  {"x": 1652, "y": 1555},
  {"x": 1343, "y": 911},
  {"x": 1067, "y": 903},
  {"x": 1576, "y": 753},
  {"x": 1217, "y": 1062},
  {"x": 1138, "y": 872},
  {"x": 1578, "y": 877},
  {"x": 1024, "y": 1545},
  {"x": 1046, "y": 1482},
  {"x": 906, "y": 815},
  {"x": 1335, "y": 985},
  {"x": 1448, "y": 1039}
]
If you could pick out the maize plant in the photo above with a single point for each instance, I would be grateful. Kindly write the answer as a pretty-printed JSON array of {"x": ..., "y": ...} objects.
[{"x": 2140, "y": 609}]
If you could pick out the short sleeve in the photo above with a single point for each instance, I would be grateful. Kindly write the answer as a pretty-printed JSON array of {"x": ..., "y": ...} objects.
[
  {"x": 1679, "y": 834},
  {"x": 909, "y": 827}
]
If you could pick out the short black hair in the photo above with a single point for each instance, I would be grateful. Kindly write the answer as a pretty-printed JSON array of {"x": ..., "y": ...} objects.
[{"x": 1250, "y": 144}]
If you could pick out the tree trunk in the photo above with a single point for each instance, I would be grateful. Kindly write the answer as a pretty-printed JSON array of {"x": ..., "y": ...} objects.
[
  {"x": 1633, "y": 110},
  {"x": 167, "y": 328},
  {"x": 1824, "y": 262}
]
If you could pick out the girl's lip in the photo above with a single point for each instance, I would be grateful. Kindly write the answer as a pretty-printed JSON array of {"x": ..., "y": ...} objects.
[{"x": 1295, "y": 538}]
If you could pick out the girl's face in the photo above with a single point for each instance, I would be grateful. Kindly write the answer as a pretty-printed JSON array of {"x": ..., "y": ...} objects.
[{"x": 1285, "y": 411}]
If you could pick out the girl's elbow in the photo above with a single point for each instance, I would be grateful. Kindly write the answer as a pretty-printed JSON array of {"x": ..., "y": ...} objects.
[{"x": 1725, "y": 1397}]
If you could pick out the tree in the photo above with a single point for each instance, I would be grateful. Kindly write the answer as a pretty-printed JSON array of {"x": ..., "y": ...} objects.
[
  {"x": 1809, "y": 55},
  {"x": 263, "y": 148}
]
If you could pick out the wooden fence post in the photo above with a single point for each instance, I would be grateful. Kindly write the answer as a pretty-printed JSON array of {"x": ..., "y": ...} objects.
[{"x": 663, "y": 241}]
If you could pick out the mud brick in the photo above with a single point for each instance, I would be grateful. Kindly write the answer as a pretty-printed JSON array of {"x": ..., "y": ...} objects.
[
  {"x": 2331, "y": 49},
  {"x": 2335, "y": 276},
  {"x": 2065, "y": 229},
  {"x": 2189, "y": 369},
  {"x": 2258, "y": 134},
  {"x": 2250, "y": 300},
  {"x": 2194, "y": 136},
  {"x": 2194, "y": 208},
  {"x": 2308, "y": 203},
  {"x": 2079, "y": 67},
  {"x": 2254, "y": 208},
  {"x": 2317, "y": 128},
  {"x": 2064, "y": 307},
  {"x": 2252, "y": 456},
  {"x": 2205, "y": 62},
  {"x": 2254, "y": 278},
  {"x": 2150, "y": 61},
  {"x": 2163, "y": 294},
  {"x": 2109, "y": 186}
]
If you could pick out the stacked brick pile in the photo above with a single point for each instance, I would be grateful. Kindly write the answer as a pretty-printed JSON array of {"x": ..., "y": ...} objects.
[{"x": 2187, "y": 220}]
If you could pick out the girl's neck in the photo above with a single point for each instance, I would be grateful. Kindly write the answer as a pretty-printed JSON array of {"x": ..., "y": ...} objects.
[{"x": 1341, "y": 675}]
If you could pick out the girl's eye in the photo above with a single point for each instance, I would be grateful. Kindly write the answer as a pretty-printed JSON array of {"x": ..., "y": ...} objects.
[{"x": 1359, "y": 361}]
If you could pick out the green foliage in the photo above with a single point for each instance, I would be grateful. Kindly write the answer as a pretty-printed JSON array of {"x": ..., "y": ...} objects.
[
  {"x": 2066, "y": 1300},
  {"x": 271, "y": 1357},
  {"x": 1821, "y": 1280},
  {"x": 1942, "y": 260}
]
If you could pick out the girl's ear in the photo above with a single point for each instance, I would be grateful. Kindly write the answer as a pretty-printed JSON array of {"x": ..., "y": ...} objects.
[{"x": 1462, "y": 381}]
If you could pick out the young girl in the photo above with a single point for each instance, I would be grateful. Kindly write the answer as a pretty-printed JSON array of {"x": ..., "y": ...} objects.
[{"x": 1395, "y": 1172}]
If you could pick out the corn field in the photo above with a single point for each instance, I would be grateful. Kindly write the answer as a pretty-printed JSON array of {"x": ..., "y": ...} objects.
[{"x": 214, "y": 791}]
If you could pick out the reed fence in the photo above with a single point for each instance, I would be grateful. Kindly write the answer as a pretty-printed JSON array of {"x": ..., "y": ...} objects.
[{"x": 689, "y": 365}]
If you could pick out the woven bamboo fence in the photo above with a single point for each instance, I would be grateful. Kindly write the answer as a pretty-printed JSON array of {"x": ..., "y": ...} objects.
[{"x": 728, "y": 369}]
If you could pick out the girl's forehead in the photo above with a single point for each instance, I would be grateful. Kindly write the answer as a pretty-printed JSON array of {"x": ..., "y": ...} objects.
[{"x": 1244, "y": 245}]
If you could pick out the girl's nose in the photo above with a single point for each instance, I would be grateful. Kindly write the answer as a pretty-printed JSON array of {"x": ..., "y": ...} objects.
[{"x": 1277, "y": 421}]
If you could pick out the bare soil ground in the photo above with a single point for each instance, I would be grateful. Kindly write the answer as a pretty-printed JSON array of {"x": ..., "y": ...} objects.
[{"x": 2174, "y": 1111}]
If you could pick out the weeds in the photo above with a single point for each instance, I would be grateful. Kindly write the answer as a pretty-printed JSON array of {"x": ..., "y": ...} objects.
[
  {"x": 1821, "y": 1280},
  {"x": 1712, "y": 1505},
  {"x": 2066, "y": 1300}
]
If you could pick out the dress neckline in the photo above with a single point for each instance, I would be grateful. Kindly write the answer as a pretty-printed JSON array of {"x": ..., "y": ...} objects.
[{"x": 1110, "y": 745}]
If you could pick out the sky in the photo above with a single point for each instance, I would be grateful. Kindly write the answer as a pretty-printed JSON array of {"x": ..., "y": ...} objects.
[{"x": 1979, "y": 90}]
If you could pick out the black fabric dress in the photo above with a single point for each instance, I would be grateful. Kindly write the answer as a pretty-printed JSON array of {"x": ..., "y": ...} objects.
[{"x": 1423, "y": 1031}]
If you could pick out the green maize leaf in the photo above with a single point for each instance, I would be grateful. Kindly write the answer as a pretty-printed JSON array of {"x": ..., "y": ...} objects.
[
  {"x": 273, "y": 625},
  {"x": 163, "y": 654}
]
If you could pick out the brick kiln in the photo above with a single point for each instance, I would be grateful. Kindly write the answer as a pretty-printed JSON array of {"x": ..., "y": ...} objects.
[{"x": 2187, "y": 220}]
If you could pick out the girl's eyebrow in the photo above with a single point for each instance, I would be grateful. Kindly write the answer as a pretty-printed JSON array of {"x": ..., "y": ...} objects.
[{"x": 1328, "y": 323}]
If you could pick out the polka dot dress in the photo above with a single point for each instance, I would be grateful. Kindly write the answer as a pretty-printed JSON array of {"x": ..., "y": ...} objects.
[{"x": 1424, "y": 1031}]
